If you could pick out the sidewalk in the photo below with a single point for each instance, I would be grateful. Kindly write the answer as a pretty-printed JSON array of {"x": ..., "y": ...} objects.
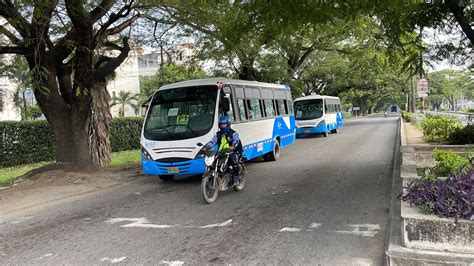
[
  {"x": 413, "y": 135},
  {"x": 58, "y": 186}
]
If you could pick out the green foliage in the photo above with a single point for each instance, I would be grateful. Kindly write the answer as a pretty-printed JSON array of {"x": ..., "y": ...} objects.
[
  {"x": 125, "y": 133},
  {"x": 462, "y": 136},
  {"x": 448, "y": 162},
  {"x": 451, "y": 85},
  {"x": 123, "y": 99},
  {"x": 428, "y": 175},
  {"x": 25, "y": 142},
  {"x": 171, "y": 73},
  {"x": 33, "y": 141},
  {"x": 407, "y": 116},
  {"x": 439, "y": 129}
]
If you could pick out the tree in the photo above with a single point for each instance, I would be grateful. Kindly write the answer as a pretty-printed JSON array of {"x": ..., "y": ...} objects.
[
  {"x": 123, "y": 99},
  {"x": 68, "y": 46},
  {"x": 452, "y": 85},
  {"x": 171, "y": 73}
]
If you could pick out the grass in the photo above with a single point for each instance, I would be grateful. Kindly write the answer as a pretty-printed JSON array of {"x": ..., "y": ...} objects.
[
  {"x": 9, "y": 174},
  {"x": 123, "y": 158}
]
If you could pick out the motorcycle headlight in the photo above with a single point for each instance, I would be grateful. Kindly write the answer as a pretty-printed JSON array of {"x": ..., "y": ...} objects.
[{"x": 209, "y": 160}]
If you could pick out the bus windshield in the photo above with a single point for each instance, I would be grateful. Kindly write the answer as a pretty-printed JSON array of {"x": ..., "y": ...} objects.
[
  {"x": 181, "y": 113},
  {"x": 308, "y": 109}
]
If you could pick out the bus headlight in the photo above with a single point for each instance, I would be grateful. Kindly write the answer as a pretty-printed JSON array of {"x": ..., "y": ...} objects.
[
  {"x": 320, "y": 123},
  {"x": 146, "y": 155},
  {"x": 201, "y": 153}
]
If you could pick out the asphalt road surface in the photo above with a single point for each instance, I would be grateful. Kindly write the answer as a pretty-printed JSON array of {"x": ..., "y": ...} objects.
[{"x": 324, "y": 202}]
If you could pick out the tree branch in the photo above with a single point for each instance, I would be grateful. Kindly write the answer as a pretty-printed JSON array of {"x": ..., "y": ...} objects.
[
  {"x": 13, "y": 16},
  {"x": 101, "y": 10},
  {"x": 457, "y": 11},
  {"x": 122, "y": 26},
  {"x": 110, "y": 65},
  {"x": 9, "y": 35},
  {"x": 12, "y": 50},
  {"x": 79, "y": 16},
  {"x": 114, "y": 17}
]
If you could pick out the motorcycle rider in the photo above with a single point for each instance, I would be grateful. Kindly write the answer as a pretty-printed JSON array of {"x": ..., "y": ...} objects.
[{"x": 227, "y": 138}]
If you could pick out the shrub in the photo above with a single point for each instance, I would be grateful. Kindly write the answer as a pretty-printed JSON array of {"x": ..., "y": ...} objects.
[
  {"x": 462, "y": 136},
  {"x": 452, "y": 197},
  {"x": 406, "y": 116},
  {"x": 470, "y": 110},
  {"x": 23, "y": 142},
  {"x": 448, "y": 162},
  {"x": 125, "y": 133},
  {"x": 439, "y": 129}
]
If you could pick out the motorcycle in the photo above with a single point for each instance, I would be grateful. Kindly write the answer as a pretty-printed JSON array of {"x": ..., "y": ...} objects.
[
  {"x": 218, "y": 175},
  {"x": 385, "y": 114}
]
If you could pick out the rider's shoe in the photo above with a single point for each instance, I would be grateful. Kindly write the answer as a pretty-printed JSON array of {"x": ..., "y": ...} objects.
[{"x": 236, "y": 181}]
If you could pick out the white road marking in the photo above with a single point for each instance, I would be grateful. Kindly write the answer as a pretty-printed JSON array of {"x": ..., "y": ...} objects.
[
  {"x": 138, "y": 193},
  {"x": 113, "y": 260},
  {"x": 172, "y": 263},
  {"x": 290, "y": 229},
  {"x": 22, "y": 219},
  {"x": 314, "y": 225},
  {"x": 144, "y": 223},
  {"x": 49, "y": 255},
  {"x": 367, "y": 230},
  {"x": 226, "y": 223}
]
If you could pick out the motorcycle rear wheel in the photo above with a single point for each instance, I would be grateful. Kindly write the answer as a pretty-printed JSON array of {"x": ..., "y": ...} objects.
[{"x": 209, "y": 193}]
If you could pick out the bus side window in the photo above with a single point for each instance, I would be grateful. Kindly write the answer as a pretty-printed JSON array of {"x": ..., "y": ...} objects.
[
  {"x": 255, "y": 110},
  {"x": 269, "y": 108},
  {"x": 242, "y": 111},
  {"x": 282, "y": 107},
  {"x": 275, "y": 107},
  {"x": 290, "y": 107},
  {"x": 228, "y": 95}
]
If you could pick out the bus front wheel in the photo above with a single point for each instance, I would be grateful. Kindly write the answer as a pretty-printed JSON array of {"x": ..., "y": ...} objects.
[
  {"x": 166, "y": 177},
  {"x": 274, "y": 155}
]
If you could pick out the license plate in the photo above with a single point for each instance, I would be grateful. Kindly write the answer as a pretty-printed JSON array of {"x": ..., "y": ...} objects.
[
  {"x": 173, "y": 170},
  {"x": 307, "y": 131}
]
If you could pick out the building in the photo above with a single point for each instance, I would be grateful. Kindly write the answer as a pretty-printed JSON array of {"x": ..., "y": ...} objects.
[{"x": 141, "y": 64}]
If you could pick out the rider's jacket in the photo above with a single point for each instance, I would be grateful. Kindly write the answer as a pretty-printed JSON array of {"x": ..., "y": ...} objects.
[{"x": 225, "y": 138}]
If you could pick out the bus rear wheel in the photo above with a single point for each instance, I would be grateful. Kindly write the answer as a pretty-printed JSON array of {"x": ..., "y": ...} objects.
[
  {"x": 166, "y": 177},
  {"x": 274, "y": 155}
]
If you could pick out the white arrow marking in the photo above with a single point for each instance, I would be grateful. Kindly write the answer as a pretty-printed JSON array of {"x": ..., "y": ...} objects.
[
  {"x": 113, "y": 260},
  {"x": 367, "y": 230}
]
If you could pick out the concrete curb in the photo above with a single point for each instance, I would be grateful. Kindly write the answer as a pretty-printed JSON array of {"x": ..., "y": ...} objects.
[{"x": 396, "y": 253}]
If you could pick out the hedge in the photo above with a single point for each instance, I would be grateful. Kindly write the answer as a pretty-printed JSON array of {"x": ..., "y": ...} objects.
[{"x": 24, "y": 142}]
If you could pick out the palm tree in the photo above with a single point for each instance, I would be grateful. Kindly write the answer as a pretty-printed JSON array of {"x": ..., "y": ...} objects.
[{"x": 123, "y": 99}]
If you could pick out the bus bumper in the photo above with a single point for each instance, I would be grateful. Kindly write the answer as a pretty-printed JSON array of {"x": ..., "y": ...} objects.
[
  {"x": 311, "y": 130},
  {"x": 190, "y": 167}
]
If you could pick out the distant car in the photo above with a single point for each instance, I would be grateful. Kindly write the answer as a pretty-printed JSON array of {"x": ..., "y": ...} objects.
[{"x": 394, "y": 109}]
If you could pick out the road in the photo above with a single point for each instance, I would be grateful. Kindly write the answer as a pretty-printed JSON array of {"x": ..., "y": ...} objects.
[{"x": 324, "y": 202}]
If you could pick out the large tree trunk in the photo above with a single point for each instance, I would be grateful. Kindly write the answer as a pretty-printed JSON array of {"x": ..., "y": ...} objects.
[{"x": 99, "y": 142}]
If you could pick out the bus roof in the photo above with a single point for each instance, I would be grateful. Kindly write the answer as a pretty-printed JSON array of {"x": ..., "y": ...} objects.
[
  {"x": 315, "y": 96},
  {"x": 214, "y": 81}
]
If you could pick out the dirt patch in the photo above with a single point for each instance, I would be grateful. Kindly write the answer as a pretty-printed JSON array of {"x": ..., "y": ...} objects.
[
  {"x": 413, "y": 135},
  {"x": 55, "y": 186}
]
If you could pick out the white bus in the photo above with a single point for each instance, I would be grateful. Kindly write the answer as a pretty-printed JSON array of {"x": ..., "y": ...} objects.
[
  {"x": 181, "y": 115},
  {"x": 318, "y": 114}
]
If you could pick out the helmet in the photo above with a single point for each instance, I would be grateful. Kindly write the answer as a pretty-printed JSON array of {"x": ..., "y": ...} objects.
[{"x": 224, "y": 120}]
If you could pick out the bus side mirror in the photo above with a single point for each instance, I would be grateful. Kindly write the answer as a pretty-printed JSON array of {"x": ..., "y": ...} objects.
[
  {"x": 225, "y": 104},
  {"x": 143, "y": 109}
]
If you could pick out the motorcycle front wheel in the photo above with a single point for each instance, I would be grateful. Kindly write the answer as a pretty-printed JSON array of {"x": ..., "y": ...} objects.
[{"x": 209, "y": 190}]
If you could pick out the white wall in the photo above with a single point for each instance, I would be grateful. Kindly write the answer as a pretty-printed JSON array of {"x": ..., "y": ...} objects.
[{"x": 9, "y": 111}]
